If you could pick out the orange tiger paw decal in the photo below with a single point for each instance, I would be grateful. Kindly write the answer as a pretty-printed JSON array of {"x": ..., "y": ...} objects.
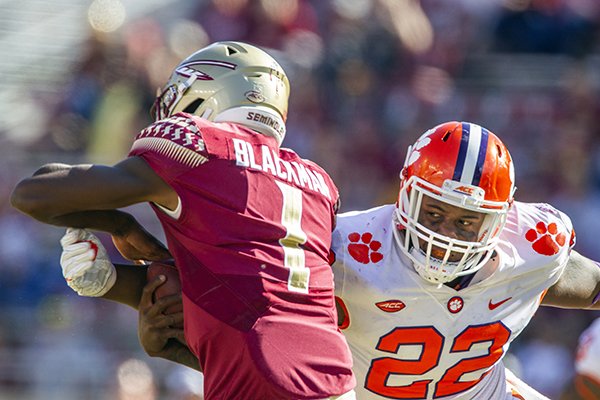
[{"x": 546, "y": 239}]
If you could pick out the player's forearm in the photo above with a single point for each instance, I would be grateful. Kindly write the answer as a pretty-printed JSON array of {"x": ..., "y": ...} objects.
[
  {"x": 578, "y": 286},
  {"x": 595, "y": 277},
  {"x": 58, "y": 190},
  {"x": 114, "y": 222},
  {"x": 111, "y": 221},
  {"x": 596, "y": 302},
  {"x": 42, "y": 198},
  {"x": 180, "y": 354},
  {"x": 39, "y": 195},
  {"x": 129, "y": 285}
]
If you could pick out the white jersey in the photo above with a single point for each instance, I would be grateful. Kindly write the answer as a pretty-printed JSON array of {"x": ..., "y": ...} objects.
[
  {"x": 413, "y": 339},
  {"x": 587, "y": 361}
]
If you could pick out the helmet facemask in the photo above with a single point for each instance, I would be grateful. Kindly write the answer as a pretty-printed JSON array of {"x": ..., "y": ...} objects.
[
  {"x": 436, "y": 257},
  {"x": 167, "y": 100}
]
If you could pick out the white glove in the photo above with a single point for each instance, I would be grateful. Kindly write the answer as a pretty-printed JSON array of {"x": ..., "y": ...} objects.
[{"x": 85, "y": 264}]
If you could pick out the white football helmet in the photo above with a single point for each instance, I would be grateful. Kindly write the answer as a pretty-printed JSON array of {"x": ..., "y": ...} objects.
[
  {"x": 464, "y": 165},
  {"x": 229, "y": 82}
]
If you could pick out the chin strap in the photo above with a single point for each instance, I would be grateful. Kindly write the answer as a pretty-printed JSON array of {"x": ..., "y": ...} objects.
[{"x": 259, "y": 118}]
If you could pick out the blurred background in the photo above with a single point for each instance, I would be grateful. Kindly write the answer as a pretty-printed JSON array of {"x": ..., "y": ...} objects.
[{"x": 77, "y": 78}]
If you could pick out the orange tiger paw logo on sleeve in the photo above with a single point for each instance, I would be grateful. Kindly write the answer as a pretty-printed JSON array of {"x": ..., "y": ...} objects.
[{"x": 546, "y": 239}]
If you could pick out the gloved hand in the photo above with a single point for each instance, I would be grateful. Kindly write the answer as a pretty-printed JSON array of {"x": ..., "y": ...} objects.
[{"x": 85, "y": 263}]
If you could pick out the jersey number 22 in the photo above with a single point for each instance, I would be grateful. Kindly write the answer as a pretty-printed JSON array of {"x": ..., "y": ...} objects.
[{"x": 432, "y": 343}]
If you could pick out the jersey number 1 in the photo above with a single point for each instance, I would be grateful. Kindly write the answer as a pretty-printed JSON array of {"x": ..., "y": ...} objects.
[{"x": 291, "y": 219}]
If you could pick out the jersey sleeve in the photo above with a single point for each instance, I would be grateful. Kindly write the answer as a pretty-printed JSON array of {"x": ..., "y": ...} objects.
[
  {"x": 560, "y": 234},
  {"x": 544, "y": 237},
  {"x": 171, "y": 146}
]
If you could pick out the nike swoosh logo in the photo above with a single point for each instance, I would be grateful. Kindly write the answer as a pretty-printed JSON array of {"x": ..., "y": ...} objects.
[{"x": 493, "y": 306}]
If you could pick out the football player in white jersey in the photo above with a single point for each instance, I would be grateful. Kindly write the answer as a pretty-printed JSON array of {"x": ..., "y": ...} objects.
[
  {"x": 586, "y": 382},
  {"x": 432, "y": 290}
]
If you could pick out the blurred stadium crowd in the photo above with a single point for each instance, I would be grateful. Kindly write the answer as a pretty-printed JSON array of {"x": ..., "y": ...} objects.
[{"x": 368, "y": 76}]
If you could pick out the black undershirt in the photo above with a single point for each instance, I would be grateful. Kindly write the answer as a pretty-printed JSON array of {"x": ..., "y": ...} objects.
[{"x": 464, "y": 281}]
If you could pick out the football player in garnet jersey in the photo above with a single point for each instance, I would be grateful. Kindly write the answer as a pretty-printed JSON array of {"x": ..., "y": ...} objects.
[
  {"x": 432, "y": 290},
  {"x": 585, "y": 385},
  {"x": 248, "y": 224}
]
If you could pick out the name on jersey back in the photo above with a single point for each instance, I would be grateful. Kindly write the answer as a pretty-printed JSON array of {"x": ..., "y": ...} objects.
[{"x": 262, "y": 158}]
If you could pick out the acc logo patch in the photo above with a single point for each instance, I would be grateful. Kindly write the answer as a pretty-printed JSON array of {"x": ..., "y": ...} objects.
[
  {"x": 391, "y": 306},
  {"x": 363, "y": 248},
  {"x": 546, "y": 239}
]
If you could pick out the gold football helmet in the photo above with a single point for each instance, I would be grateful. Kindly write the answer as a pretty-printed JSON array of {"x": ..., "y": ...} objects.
[{"x": 229, "y": 82}]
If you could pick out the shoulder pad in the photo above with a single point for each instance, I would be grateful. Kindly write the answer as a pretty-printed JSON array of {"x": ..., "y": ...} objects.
[{"x": 177, "y": 138}]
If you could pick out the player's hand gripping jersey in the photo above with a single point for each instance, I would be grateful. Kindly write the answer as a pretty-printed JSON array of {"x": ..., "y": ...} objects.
[
  {"x": 251, "y": 238},
  {"x": 412, "y": 339}
]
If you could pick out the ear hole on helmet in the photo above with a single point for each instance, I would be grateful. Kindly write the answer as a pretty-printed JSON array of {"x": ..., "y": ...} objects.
[
  {"x": 193, "y": 106},
  {"x": 446, "y": 136}
]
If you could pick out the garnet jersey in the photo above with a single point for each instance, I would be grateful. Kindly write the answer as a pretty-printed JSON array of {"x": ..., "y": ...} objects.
[
  {"x": 251, "y": 238},
  {"x": 587, "y": 361},
  {"x": 412, "y": 339}
]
